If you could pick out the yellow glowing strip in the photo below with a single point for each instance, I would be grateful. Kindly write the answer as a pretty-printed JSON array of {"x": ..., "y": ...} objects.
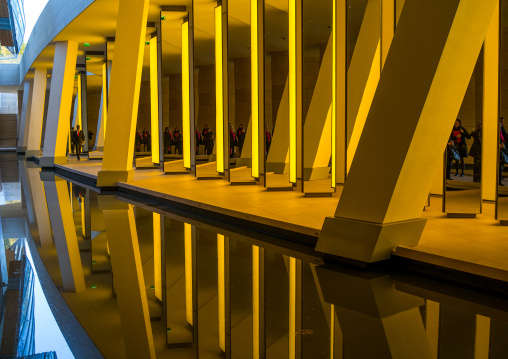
[
  {"x": 79, "y": 103},
  {"x": 334, "y": 92},
  {"x": 292, "y": 308},
  {"x": 219, "y": 91},
  {"x": 188, "y": 272},
  {"x": 157, "y": 258},
  {"x": 292, "y": 91},
  {"x": 104, "y": 97},
  {"x": 332, "y": 328},
  {"x": 254, "y": 57},
  {"x": 255, "y": 302},
  {"x": 83, "y": 217},
  {"x": 154, "y": 99},
  {"x": 70, "y": 193},
  {"x": 186, "y": 96},
  {"x": 221, "y": 292}
]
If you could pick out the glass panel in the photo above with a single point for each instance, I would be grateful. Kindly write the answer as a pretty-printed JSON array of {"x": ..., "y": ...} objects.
[{"x": 502, "y": 197}]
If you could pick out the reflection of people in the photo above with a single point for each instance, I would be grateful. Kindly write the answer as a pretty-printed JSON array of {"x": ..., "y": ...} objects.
[
  {"x": 208, "y": 140},
  {"x": 449, "y": 157},
  {"x": 241, "y": 139},
  {"x": 178, "y": 141},
  {"x": 72, "y": 140},
  {"x": 167, "y": 140},
  {"x": 459, "y": 135},
  {"x": 138, "y": 140},
  {"x": 78, "y": 139},
  {"x": 232, "y": 140},
  {"x": 79, "y": 192},
  {"x": 268, "y": 139},
  {"x": 198, "y": 140},
  {"x": 145, "y": 140},
  {"x": 476, "y": 152},
  {"x": 503, "y": 143}
]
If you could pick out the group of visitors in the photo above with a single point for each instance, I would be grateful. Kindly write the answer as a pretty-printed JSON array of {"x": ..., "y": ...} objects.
[
  {"x": 238, "y": 139},
  {"x": 143, "y": 140},
  {"x": 77, "y": 138}
]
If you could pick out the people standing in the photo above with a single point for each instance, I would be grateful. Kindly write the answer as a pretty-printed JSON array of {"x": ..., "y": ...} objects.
[
  {"x": 459, "y": 136},
  {"x": 208, "y": 140},
  {"x": 476, "y": 152},
  {"x": 178, "y": 141},
  {"x": 78, "y": 139},
  {"x": 167, "y": 140},
  {"x": 145, "y": 140},
  {"x": 503, "y": 143},
  {"x": 138, "y": 140},
  {"x": 198, "y": 139},
  {"x": 72, "y": 140},
  {"x": 240, "y": 136},
  {"x": 232, "y": 140},
  {"x": 268, "y": 139}
]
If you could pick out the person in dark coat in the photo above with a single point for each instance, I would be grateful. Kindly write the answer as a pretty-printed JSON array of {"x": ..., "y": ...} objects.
[
  {"x": 72, "y": 140},
  {"x": 476, "y": 152},
  {"x": 198, "y": 140},
  {"x": 145, "y": 140},
  {"x": 138, "y": 140},
  {"x": 178, "y": 141},
  {"x": 167, "y": 140},
  {"x": 459, "y": 135},
  {"x": 208, "y": 140},
  {"x": 232, "y": 140},
  {"x": 241, "y": 139},
  {"x": 78, "y": 139},
  {"x": 268, "y": 139}
]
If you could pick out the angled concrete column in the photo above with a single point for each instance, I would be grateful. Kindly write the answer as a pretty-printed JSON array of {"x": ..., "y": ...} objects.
[
  {"x": 128, "y": 277},
  {"x": 84, "y": 108},
  {"x": 60, "y": 101},
  {"x": 26, "y": 189},
  {"x": 103, "y": 111},
  {"x": 64, "y": 231},
  {"x": 40, "y": 206},
  {"x": 124, "y": 93},
  {"x": 24, "y": 124},
  {"x": 377, "y": 321},
  {"x": 422, "y": 86},
  {"x": 36, "y": 113}
]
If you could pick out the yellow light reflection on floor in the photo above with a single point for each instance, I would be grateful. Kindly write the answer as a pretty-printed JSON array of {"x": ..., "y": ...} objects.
[
  {"x": 292, "y": 308},
  {"x": 82, "y": 207},
  {"x": 255, "y": 302},
  {"x": 221, "y": 292},
  {"x": 219, "y": 91},
  {"x": 188, "y": 272},
  {"x": 154, "y": 99},
  {"x": 186, "y": 135},
  {"x": 157, "y": 256}
]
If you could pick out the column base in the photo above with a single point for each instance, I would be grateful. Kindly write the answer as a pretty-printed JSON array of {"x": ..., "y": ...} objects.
[
  {"x": 277, "y": 167},
  {"x": 316, "y": 173},
  {"x": 110, "y": 178},
  {"x": 32, "y": 153},
  {"x": 366, "y": 241},
  {"x": 20, "y": 149},
  {"x": 244, "y": 162},
  {"x": 50, "y": 162}
]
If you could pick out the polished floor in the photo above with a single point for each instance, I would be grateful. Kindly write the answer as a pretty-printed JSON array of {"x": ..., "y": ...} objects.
[{"x": 475, "y": 245}]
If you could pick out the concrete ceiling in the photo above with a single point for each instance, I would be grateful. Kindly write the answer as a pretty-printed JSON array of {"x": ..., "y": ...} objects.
[{"x": 98, "y": 22}]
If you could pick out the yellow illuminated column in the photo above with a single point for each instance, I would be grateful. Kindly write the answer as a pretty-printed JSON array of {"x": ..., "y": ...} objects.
[
  {"x": 188, "y": 244},
  {"x": 59, "y": 107},
  {"x": 157, "y": 255},
  {"x": 79, "y": 117},
  {"x": 257, "y": 85},
  {"x": 186, "y": 120},
  {"x": 103, "y": 111},
  {"x": 490, "y": 109},
  {"x": 219, "y": 91},
  {"x": 154, "y": 99},
  {"x": 25, "y": 116},
  {"x": 64, "y": 232},
  {"x": 36, "y": 113},
  {"x": 124, "y": 93},
  {"x": 295, "y": 85},
  {"x": 403, "y": 127},
  {"x": 128, "y": 277}
]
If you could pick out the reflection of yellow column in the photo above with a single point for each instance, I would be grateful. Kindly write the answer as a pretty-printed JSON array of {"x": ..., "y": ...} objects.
[
  {"x": 59, "y": 106},
  {"x": 40, "y": 206},
  {"x": 406, "y": 141},
  {"x": 377, "y": 321},
  {"x": 124, "y": 89},
  {"x": 36, "y": 113},
  {"x": 25, "y": 116},
  {"x": 482, "y": 337},
  {"x": 432, "y": 326},
  {"x": 157, "y": 255},
  {"x": 188, "y": 273},
  {"x": 295, "y": 303},
  {"x": 64, "y": 232},
  {"x": 490, "y": 109},
  {"x": 258, "y": 303},
  {"x": 221, "y": 291},
  {"x": 128, "y": 275}
]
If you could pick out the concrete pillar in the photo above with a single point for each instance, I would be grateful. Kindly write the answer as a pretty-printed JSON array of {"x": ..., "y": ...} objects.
[
  {"x": 84, "y": 108},
  {"x": 64, "y": 231},
  {"x": 125, "y": 87},
  {"x": 128, "y": 277},
  {"x": 422, "y": 86},
  {"x": 36, "y": 113},
  {"x": 24, "y": 124},
  {"x": 60, "y": 101},
  {"x": 40, "y": 206},
  {"x": 103, "y": 111}
]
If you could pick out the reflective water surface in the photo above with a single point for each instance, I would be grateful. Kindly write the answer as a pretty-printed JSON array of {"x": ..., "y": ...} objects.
[{"x": 143, "y": 282}]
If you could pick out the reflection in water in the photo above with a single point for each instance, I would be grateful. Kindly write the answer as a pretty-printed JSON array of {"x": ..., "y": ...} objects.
[{"x": 152, "y": 284}]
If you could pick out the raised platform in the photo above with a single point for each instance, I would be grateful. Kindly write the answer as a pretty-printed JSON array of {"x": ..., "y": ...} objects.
[{"x": 475, "y": 246}]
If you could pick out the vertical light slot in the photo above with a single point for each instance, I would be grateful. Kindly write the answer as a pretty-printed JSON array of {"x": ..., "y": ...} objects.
[
  {"x": 186, "y": 135},
  {"x": 80, "y": 95},
  {"x": 255, "y": 302},
  {"x": 104, "y": 96},
  {"x": 292, "y": 91},
  {"x": 219, "y": 91},
  {"x": 157, "y": 255},
  {"x": 188, "y": 272},
  {"x": 82, "y": 207},
  {"x": 292, "y": 308},
  {"x": 154, "y": 100},
  {"x": 334, "y": 93},
  {"x": 221, "y": 292},
  {"x": 332, "y": 328},
  {"x": 254, "y": 58}
]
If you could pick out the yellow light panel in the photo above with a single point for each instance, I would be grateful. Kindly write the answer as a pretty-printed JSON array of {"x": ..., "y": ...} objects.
[
  {"x": 254, "y": 58},
  {"x": 221, "y": 292},
  {"x": 104, "y": 96},
  {"x": 332, "y": 328},
  {"x": 78, "y": 121},
  {"x": 154, "y": 99},
  {"x": 255, "y": 302},
  {"x": 82, "y": 207},
  {"x": 188, "y": 272},
  {"x": 292, "y": 308},
  {"x": 186, "y": 135},
  {"x": 334, "y": 93},
  {"x": 292, "y": 91},
  {"x": 157, "y": 256},
  {"x": 219, "y": 91}
]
